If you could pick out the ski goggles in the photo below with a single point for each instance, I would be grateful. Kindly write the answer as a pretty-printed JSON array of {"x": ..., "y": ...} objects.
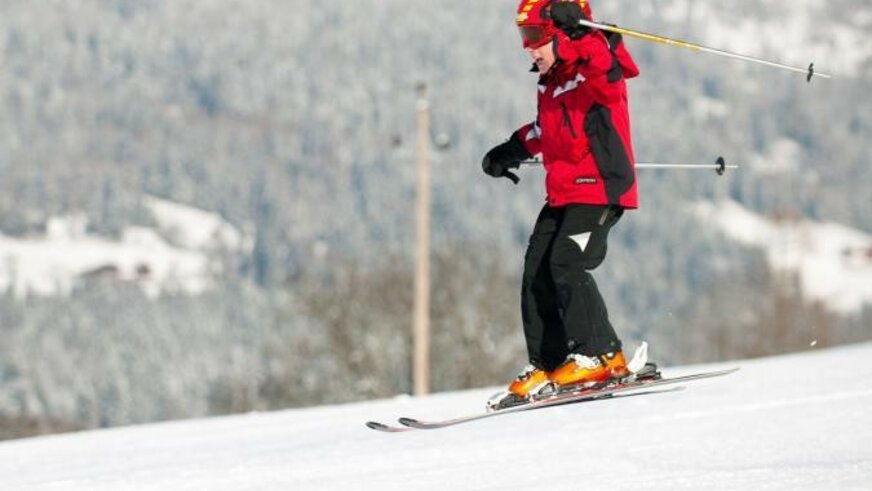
[{"x": 535, "y": 36}]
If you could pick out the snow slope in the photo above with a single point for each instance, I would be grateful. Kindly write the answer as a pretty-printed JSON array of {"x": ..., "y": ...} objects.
[{"x": 788, "y": 423}]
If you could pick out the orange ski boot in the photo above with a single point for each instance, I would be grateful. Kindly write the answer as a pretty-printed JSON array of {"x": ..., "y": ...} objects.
[
  {"x": 529, "y": 383},
  {"x": 579, "y": 371}
]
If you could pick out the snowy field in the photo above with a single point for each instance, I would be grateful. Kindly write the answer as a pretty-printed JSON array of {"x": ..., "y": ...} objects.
[{"x": 787, "y": 423}]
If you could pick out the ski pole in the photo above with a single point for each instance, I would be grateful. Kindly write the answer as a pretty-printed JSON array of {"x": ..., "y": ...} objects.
[
  {"x": 720, "y": 166},
  {"x": 808, "y": 72}
]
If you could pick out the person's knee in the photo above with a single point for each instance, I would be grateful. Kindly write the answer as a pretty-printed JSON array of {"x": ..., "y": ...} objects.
[
  {"x": 567, "y": 259},
  {"x": 591, "y": 263}
]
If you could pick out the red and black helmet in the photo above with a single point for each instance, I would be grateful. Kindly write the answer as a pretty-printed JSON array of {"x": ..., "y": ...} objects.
[{"x": 534, "y": 21}]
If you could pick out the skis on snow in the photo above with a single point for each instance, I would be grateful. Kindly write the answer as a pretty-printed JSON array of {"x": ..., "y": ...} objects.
[{"x": 632, "y": 388}]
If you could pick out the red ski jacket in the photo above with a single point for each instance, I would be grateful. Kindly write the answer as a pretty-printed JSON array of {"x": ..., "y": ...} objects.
[{"x": 583, "y": 126}]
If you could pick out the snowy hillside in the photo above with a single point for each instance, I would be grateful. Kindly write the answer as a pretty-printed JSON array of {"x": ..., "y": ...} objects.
[
  {"x": 779, "y": 424},
  {"x": 173, "y": 257},
  {"x": 833, "y": 262}
]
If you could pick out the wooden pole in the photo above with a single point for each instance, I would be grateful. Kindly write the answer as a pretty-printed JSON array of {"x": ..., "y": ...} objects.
[{"x": 421, "y": 326}]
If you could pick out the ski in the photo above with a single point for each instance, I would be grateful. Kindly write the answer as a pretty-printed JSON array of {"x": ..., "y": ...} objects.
[
  {"x": 557, "y": 400},
  {"x": 410, "y": 424},
  {"x": 413, "y": 424},
  {"x": 375, "y": 425},
  {"x": 563, "y": 399}
]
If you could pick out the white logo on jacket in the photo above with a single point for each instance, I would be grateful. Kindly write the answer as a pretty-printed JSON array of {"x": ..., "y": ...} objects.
[{"x": 569, "y": 86}]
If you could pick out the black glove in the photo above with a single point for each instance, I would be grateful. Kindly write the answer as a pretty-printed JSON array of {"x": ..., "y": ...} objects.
[
  {"x": 566, "y": 16},
  {"x": 505, "y": 156}
]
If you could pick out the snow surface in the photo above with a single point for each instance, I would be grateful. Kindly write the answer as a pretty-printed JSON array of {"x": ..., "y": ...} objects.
[
  {"x": 834, "y": 262},
  {"x": 789, "y": 423}
]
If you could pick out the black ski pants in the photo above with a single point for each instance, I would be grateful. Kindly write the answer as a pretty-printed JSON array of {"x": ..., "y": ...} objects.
[{"x": 561, "y": 306}]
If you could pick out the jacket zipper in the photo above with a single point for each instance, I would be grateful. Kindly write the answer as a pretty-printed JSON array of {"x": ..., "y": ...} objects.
[{"x": 567, "y": 121}]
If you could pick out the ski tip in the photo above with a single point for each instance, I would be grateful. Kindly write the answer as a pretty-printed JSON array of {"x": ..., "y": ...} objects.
[
  {"x": 413, "y": 423},
  {"x": 375, "y": 425},
  {"x": 718, "y": 373}
]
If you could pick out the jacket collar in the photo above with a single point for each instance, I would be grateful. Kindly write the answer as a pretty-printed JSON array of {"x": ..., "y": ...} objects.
[{"x": 559, "y": 73}]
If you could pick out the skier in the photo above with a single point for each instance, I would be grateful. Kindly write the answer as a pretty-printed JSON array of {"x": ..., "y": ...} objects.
[{"x": 582, "y": 132}]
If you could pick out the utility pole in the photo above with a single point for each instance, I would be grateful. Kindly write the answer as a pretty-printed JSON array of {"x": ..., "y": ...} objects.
[{"x": 421, "y": 325}]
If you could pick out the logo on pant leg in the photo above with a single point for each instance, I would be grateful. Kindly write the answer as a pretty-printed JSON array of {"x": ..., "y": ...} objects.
[{"x": 582, "y": 240}]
